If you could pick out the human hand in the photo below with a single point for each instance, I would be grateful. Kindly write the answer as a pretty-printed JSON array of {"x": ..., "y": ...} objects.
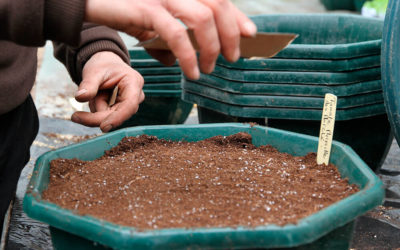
[
  {"x": 101, "y": 73},
  {"x": 217, "y": 25}
]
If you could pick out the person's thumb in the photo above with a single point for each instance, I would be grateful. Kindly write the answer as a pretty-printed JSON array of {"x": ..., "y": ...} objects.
[{"x": 88, "y": 88}]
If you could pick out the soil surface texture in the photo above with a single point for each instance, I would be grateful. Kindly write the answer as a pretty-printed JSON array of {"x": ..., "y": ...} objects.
[{"x": 150, "y": 183}]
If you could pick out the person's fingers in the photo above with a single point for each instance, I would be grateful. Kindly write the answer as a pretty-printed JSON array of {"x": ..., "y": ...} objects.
[
  {"x": 164, "y": 56},
  {"x": 127, "y": 104},
  {"x": 90, "y": 119},
  {"x": 178, "y": 41},
  {"x": 92, "y": 106},
  {"x": 101, "y": 101},
  {"x": 228, "y": 30},
  {"x": 128, "y": 100},
  {"x": 91, "y": 80},
  {"x": 142, "y": 96},
  {"x": 200, "y": 19},
  {"x": 246, "y": 26}
]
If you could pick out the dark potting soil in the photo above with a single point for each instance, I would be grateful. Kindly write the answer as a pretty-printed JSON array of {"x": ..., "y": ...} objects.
[{"x": 149, "y": 183}]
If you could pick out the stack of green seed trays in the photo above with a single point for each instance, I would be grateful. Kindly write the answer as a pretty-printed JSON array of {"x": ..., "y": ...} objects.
[
  {"x": 162, "y": 89},
  {"x": 334, "y": 53}
]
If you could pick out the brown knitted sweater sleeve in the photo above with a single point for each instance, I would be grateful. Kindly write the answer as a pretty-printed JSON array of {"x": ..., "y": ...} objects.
[
  {"x": 31, "y": 23},
  {"x": 94, "y": 39}
]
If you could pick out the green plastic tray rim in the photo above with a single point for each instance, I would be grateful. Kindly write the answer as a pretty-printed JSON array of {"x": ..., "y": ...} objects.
[
  {"x": 287, "y": 89},
  {"x": 307, "y": 230},
  {"x": 281, "y": 101},
  {"x": 246, "y": 111},
  {"x": 341, "y": 25}
]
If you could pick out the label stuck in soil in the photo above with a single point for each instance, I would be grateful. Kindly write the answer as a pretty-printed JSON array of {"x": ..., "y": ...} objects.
[
  {"x": 327, "y": 127},
  {"x": 150, "y": 183}
]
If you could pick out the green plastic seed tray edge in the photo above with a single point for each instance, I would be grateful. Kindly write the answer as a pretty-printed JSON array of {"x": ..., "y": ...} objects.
[
  {"x": 120, "y": 237},
  {"x": 162, "y": 79},
  {"x": 280, "y": 113},
  {"x": 325, "y": 36},
  {"x": 158, "y": 71},
  {"x": 298, "y": 77},
  {"x": 288, "y": 89},
  {"x": 314, "y": 65},
  {"x": 162, "y": 86},
  {"x": 281, "y": 101}
]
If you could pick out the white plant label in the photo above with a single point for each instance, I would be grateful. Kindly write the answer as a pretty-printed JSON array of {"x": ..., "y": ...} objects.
[{"x": 326, "y": 131}]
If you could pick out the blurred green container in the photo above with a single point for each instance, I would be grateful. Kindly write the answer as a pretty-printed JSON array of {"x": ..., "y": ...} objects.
[
  {"x": 282, "y": 102},
  {"x": 160, "y": 107},
  {"x": 314, "y": 65},
  {"x": 288, "y": 89},
  {"x": 325, "y": 36},
  {"x": 304, "y": 234}
]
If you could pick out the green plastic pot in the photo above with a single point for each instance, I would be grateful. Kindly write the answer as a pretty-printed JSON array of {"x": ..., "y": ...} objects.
[
  {"x": 275, "y": 101},
  {"x": 280, "y": 113},
  {"x": 306, "y": 231},
  {"x": 371, "y": 143},
  {"x": 288, "y": 89},
  {"x": 325, "y": 36}
]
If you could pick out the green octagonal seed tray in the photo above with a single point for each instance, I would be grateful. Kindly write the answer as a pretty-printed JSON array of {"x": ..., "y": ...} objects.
[
  {"x": 307, "y": 230},
  {"x": 280, "y": 113},
  {"x": 281, "y": 101},
  {"x": 298, "y": 77},
  {"x": 289, "y": 89},
  {"x": 325, "y": 36},
  {"x": 313, "y": 65}
]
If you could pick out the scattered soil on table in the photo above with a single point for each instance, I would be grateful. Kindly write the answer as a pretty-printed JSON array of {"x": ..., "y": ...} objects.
[{"x": 222, "y": 181}]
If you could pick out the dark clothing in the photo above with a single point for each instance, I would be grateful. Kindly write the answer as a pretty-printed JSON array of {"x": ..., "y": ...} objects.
[
  {"x": 24, "y": 25},
  {"x": 19, "y": 128}
]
